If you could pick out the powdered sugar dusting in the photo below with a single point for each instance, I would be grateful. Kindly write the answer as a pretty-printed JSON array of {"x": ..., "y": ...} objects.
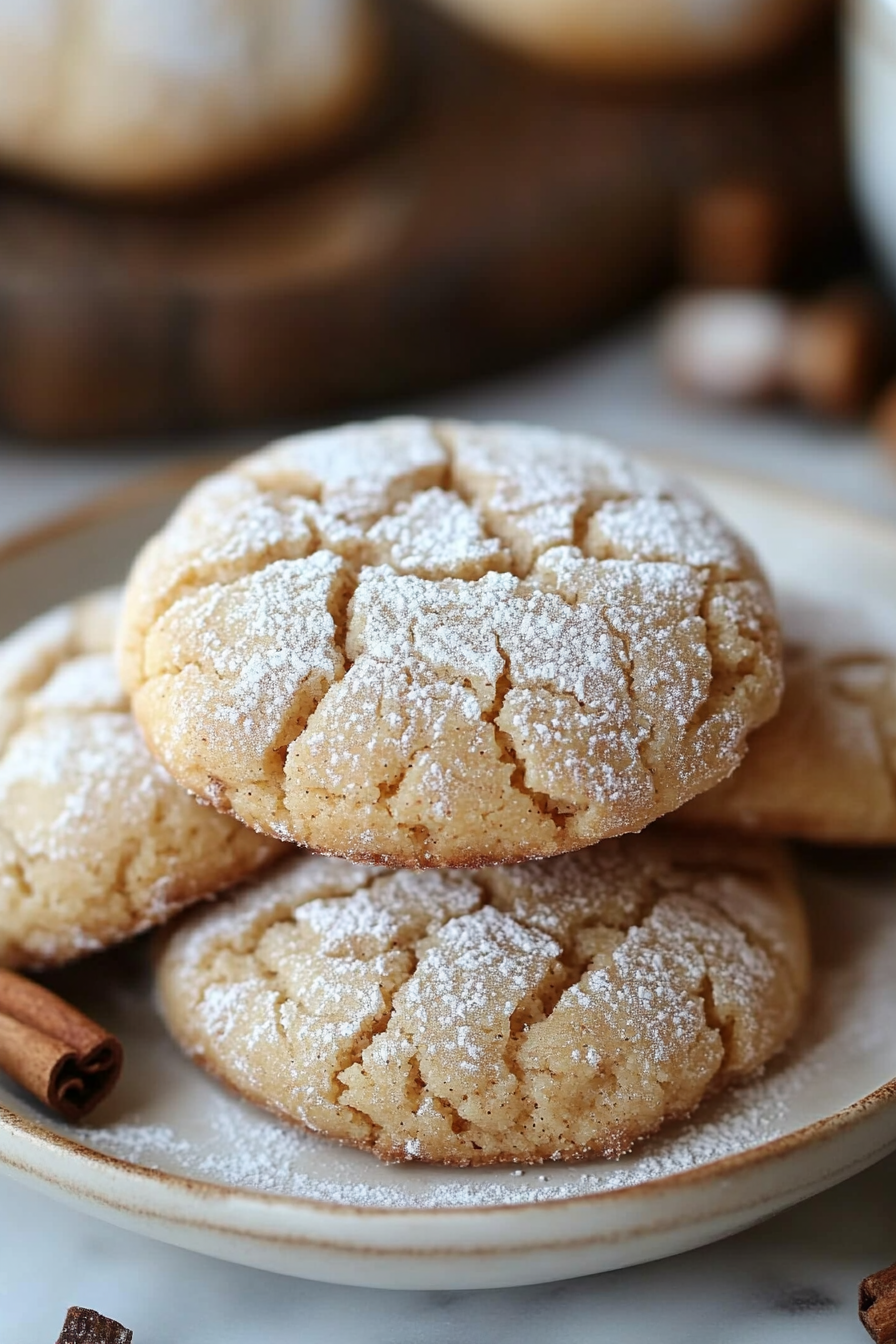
[
  {"x": 432, "y": 1014},
  {"x": 825, "y": 768},
  {"x": 235, "y": 633},
  {"x": 436, "y": 535},
  {"x": 845, "y": 1050},
  {"x": 83, "y": 764},
  {"x": 357, "y": 472},
  {"x": 680, "y": 530},
  {"x": 83, "y": 684},
  {"x": 584, "y": 628},
  {"x": 97, "y": 841},
  {"x": 28, "y": 656}
]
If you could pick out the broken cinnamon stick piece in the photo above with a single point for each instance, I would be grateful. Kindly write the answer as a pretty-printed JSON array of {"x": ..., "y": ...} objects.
[
  {"x": 83, "y": 1326},
  {"x": 877, "y": 1305},
  {"x": 60, "y": 1056}
]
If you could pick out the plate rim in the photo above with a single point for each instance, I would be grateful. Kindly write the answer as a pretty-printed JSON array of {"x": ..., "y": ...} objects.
[
  {"x": 763, "y": 1155},
  {"x": 149, "y": 486}
]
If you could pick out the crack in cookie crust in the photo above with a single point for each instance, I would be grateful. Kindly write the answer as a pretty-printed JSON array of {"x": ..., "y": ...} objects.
[
  {"x": 97, "y": 842},
  {"x": 513, "y": 1013},
  {"x": 441, "y": 644}
]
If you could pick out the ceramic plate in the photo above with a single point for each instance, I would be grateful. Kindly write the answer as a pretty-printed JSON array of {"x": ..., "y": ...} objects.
[{"x": 175, "y": 1157}]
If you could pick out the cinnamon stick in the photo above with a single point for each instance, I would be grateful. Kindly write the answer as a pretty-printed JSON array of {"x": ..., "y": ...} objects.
[
  {"x": 60, "y": 1056},
  {"x": 877, "y": 1305},
  {"x": 83, "y": 1326},
  {"x": 734, "y": 235}
]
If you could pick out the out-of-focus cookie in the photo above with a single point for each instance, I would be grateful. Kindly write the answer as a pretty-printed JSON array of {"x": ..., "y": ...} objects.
[
  {"x": 97, "y": 842},
  {"x": 513, "y": 1013},
  {"x": 163, "y": 95},
  {"x": 650, "y": 38},
  {"x": 825, "y": 768},
  {"x": 431, "y": 644}
]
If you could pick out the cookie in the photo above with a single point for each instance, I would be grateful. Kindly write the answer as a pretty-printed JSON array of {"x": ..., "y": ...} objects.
[
  {"x": 652, "y": 38},
  {"x": 97, "y": 842},
  {"x": 440, "y": 645},
  {"x": 509, "y": 1014},
  {"x": 825, "y": 768},
  {"x": 153, "y": 96}
]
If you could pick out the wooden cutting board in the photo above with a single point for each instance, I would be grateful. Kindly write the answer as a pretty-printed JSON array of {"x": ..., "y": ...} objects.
[{"x": 496, "y": 212}]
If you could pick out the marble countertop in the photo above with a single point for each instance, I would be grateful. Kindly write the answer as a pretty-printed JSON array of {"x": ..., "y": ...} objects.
[{"x": 793, "y": 1279}]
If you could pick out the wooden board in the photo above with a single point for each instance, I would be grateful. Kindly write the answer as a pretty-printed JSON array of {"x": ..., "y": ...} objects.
[{"x": 496, "y": 212}]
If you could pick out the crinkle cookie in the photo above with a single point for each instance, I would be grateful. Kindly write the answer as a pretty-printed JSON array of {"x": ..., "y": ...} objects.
[
  {"x": 654, "y": 39},
  {"x": 97, "y": 842},
  {"x": 507, "y": 1014},
  {"x": 435, "y": 644},
  {"x": 153, "y": 96},
  {"x": 825, "y": 768}
]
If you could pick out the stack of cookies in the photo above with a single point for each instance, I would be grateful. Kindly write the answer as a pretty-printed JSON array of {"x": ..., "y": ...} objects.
[{"x": 463, "y": 666}]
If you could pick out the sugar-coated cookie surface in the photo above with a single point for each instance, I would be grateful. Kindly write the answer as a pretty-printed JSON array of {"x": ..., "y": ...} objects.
[
  {"x": 97, "y": 842},
  {"x": 512, "y": 1013},
  {"x": 160, "y": 95},
  {"x": 427, "y": 644},
  {"x": 824, "y": 769}
]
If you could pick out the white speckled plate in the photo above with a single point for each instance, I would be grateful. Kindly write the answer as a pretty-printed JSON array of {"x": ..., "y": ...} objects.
[{"x": 174, "y": 1156}]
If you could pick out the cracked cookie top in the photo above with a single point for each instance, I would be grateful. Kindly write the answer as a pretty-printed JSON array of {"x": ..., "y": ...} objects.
[
  {"x": 824, "y": 769},
  {"x": 97, "y": 841},
  {"x": 430, "y": 643},
  {"x": 509, "y": 1013}
]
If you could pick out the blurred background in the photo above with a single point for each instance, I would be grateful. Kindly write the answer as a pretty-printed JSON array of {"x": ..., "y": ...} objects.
[{"x": 672, "y": 222}]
